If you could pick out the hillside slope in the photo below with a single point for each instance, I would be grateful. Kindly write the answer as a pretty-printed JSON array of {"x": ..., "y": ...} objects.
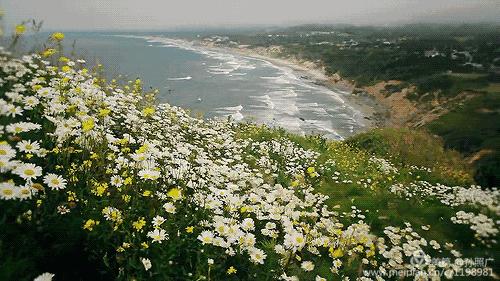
[{"x": 99, "y": 183}]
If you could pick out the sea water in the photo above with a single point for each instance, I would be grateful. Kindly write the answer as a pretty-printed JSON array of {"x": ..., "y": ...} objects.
[{"x": 221, "y": 84}]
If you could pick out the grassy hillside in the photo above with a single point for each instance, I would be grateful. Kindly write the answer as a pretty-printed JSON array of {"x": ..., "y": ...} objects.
[{"x": 97, "y": 182}]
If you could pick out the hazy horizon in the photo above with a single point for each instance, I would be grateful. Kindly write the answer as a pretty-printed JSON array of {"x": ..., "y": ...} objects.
[{"x": 122, "y": 15}]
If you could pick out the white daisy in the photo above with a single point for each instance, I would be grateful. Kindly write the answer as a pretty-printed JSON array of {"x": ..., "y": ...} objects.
[
  {"x": 158, "y": 220},
  {"x": 54, "y": 181},
  {"x": 44, "y": 277},
  {"x": 148, "y": 174},
  {"x": 158, "y": 235},
  {"x": 146, "y": 263},
  {"x": 307, "y": 266},
  {"x": 8, "y": 190},
  {"x": 28, "y": 171},
  {"x": 7, "y": 151},
  {"x": 257, "y": 255},
  {"x": 28, "y": 146}
]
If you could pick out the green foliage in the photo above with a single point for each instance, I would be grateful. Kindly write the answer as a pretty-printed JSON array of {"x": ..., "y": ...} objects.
[
  {"x": 416, "y": 148},
  {"x": 473, "y": 127}
]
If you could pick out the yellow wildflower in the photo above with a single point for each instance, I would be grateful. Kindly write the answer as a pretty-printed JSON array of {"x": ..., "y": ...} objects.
[
  {"x": 139, "y": 224},
  {"x": 144, "y": 245},
  {"x": 88, "y": 124},
  {"x": 175, "y": 194},
  {"x": 65, "y": 60},
  {"x": 58, "y": 36},
  {"x": 66, "y": 68},
  {"x": 127, "y": 181},
  {"x": 48, "y": 52},
  {"x": 147, "y": 193},
  {"x": 231, "y": 270},
  {"x": 104, "y": 112},
  {"x": 337, "y": 253},
  {"x": 189, "y": 229},
  {"x": 148, "y": 111},
  {"x": 20, "y": 29},
  {"x": 89, "y": 224}
]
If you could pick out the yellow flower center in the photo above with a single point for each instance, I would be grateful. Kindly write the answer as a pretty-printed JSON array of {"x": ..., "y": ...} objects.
[
  {"x": 7, "y": 192},
  {"x": 29, "y": 172}
]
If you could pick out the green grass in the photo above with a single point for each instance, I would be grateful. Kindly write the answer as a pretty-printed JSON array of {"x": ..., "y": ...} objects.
[{"x": 472, "y": 127}]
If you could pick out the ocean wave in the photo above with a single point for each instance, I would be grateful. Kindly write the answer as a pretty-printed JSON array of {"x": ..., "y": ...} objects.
[
  {"x": 232, "y": 111},
  {"x": 180, "y": 78}
]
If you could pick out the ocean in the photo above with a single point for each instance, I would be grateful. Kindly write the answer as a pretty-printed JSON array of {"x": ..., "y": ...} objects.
[{"x": 219, "y": 84}]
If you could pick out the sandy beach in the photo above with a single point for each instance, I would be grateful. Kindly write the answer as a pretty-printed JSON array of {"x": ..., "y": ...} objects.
[{"x": 374, "y": 114}]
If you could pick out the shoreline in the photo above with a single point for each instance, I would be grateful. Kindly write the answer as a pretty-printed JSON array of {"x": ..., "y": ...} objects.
[
  {"x": 373, "y": 112},
  {"x": 369, "y": 113}
]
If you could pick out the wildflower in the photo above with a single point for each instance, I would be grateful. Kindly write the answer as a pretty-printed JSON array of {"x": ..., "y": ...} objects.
[
  {"x": 54, "y": 181},
  {"x": 28, "y": 146},
  {"x": 28, "y": 171},
  {"x": 20, "y": 29},
  {"x": 248, "y": 224},
  {"x": 116, "y": 181},
  {"x": 21, "y": 127},
  {"x": 24, "y": 192},
  {"x": 57, "y": 36},
  {"x": 257, "y": 256},
  {"x": 189, "y": 229},
  {"x": 169, "y": 208},
  {"x": 175, "y": 194},
  {"x": 206, "y": 237},
  {"x": 146, "y": 263},
  {"x": 49, "y": 52},
  {"x": 104, "y": 112},
  {"x": 319, "y": 278},
  {"x": 112, "y": 214},
  {"x": 337, "y": 253},
  {"x": 8, "y": 190},
  {"x": 231, "y": 270},
  {"x": 158, "y": 235},
  {"x": 307, "y": 266},
  {"x": 30, "y": 102},
  {"x": 62, "y": 210},
  {"x": 44, "y": 277},
  {"x": 7, "y": 151},
  {"x": 158, "y": 220},
  {"x": 148, "y": 111},
  {"x": 210, "y": 262},
  {"x": 294, "y": 240},
  {"x": 66, "y": 68},
  {"x": 148, "y": 174},
  {"x": 88, "y": 124},
  {"x": 13, "y": 111},
  {"x": 139, "y": 224},
  {"x": 89, "y": 224}
]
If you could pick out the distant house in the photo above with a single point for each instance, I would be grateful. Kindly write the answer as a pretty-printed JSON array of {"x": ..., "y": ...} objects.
[
  {"x": 433, "y": 53},
  {"x": 462, "y": 55}
]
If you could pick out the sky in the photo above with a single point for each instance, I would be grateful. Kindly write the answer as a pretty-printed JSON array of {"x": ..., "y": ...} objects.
[{"x": 169, "y": 14}]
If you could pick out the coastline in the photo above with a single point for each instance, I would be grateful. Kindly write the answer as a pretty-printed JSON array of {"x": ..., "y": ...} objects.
[{"x": 374, "y": 113}]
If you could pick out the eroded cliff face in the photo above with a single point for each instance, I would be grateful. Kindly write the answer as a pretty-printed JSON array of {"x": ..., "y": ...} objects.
[{"x": 402, "y": 109}]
